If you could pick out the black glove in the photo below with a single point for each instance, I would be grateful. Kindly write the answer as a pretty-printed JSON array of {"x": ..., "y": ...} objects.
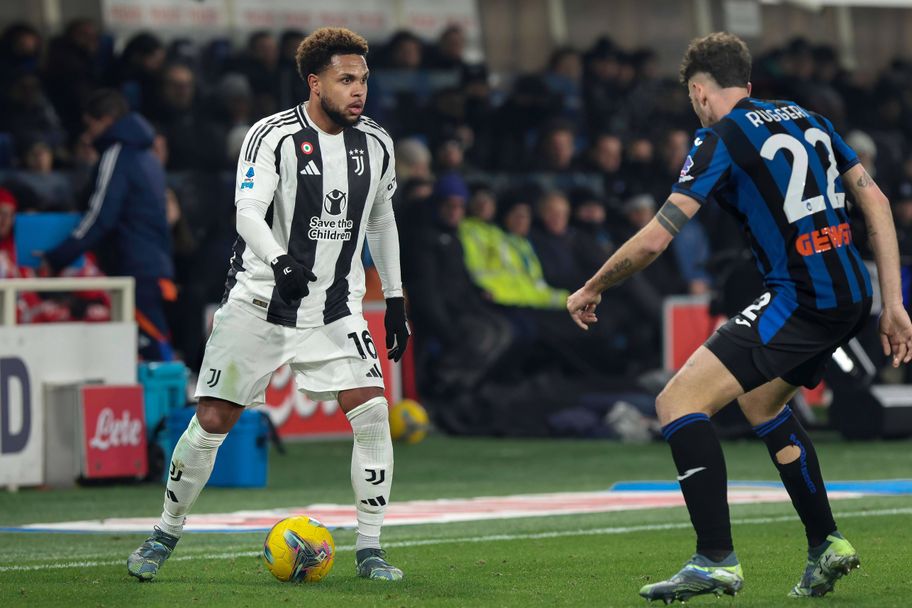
[
  {"x": 397, "y": 330},
  {"x": 291, "y": 278}
]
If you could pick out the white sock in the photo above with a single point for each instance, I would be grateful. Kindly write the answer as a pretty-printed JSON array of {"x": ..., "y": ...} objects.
[
  {"x": 191, "y": 465},
  {"x": 371, "y": 468}
]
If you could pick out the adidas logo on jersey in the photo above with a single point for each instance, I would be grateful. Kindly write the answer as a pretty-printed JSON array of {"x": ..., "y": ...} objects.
[{"x": 310, "y": 169}]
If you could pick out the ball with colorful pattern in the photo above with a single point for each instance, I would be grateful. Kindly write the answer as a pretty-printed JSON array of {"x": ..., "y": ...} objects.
[
  {"x": 409, "y": 422},
  {"x": 299, "y": 550}
]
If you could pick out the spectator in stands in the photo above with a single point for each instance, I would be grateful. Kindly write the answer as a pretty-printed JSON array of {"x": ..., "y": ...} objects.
[
  {"x": 449, "y": 154},
  {"x": 234, "y": 101},
  {"x": 479, "y": 115},
  {"x": 32, "y": 307},
  {"x": 521, "y": 281},
  {"x": 37, "y": 186},
  {"x": 195, "y": 142},
  {"x": 518, "y": 120},
  {"x": 9, "y": 268},
  {"x": 592, "y": 243},
  {"x": 605, "y": 155},
  {"x": 404, "y": 51},
  {"x": 260, "y": 64},
  {"x": 448, "y": 53},
  {"x": 553, "y": 240},
  {"x": 27, "y": 113},
  {"x": 563, "y": 77},
  {"x": 555, "y": 149},
  {"x": 481, "y": 238},
  {"x": 866, "y": 149},
  {"x": 662, "y": 275},
  {"x": 640, "y": 166},
  {"x": 447, "y": 306},
  {"x": 20, "y": 50},
  {"x": 673, "y": 149},
  {"x": 413, "y": 159},
  {"x": 72, "y": 70},
  {"x": 138, "y": 70},
  {"x": 126, "y": 219},
  {"x": 292, "y": 89},
  {"x": 601, "y": 94}
]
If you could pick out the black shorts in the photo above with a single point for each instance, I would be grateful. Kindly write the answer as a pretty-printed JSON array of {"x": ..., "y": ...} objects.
[{"x": 774, "y": 338}]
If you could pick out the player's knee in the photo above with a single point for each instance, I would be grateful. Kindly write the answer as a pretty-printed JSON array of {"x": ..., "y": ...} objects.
[
  {"x": 217, "y": 416},
  {"x": 664, "y": 407},
  {"x": 789, "y": 453},
  {"x": 355, "y": 397}
]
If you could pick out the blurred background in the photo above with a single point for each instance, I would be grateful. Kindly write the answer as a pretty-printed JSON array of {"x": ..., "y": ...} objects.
[{"x": 532, "y": 138}]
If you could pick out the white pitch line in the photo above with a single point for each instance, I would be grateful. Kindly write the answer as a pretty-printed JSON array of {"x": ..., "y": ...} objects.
[{"x": 475, "y": 539}]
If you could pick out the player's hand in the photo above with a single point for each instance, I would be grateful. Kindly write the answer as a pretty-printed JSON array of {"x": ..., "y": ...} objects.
[
  {"x": 581, "y": 306},
  {"x": 291, "y": 278},
  {"x": 397, "y": 329},
  {"x": 44, "y": 267},
  {"x": 896, "y": 334}
]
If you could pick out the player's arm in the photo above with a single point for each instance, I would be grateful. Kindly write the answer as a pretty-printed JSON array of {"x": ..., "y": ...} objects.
[
  {"x": 383, "y": 240},
  {"x": 634, "y": 255},
  {"x": 895, "y": 327},
  {"x": 257, "y": 179}
]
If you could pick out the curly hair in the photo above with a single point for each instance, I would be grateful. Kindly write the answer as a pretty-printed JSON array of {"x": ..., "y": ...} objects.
[
  {"x": 315, "y": 52},
  {"x": 722, "y": 55}
]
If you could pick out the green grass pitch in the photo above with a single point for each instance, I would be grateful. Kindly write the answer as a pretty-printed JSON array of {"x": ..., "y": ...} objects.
[{"x": 589, "y": 560}]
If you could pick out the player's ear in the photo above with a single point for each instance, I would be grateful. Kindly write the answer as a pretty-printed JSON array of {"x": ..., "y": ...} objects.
[
  {"x": 748, "y": 89},
  {"x": 313, "y": 83}
]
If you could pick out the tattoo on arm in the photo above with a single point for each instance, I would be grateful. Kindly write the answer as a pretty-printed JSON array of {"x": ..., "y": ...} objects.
[
  {"x": 614, "y": 274},
  {"x": 865, "y": 180},
  {"x": 671, "y": 218}
]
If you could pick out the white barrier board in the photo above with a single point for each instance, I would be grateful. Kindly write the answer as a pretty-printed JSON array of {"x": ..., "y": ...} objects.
[{"x": 33, "y": 355}]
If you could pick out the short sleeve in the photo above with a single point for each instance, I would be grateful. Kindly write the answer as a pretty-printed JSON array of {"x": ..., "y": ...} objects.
[
  {"x": 706, "y": 169},
  {"x": 257, "y": 175},
  {"x": 846, "y": 158}
]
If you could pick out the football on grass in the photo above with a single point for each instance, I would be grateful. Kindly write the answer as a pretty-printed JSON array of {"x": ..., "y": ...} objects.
[
  {"x": 299, "y": 550},
  {"x": 408, "y": 421}
]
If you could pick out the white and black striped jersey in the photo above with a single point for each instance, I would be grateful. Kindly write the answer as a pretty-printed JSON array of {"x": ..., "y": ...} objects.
[{"x": 321, "y": 190}]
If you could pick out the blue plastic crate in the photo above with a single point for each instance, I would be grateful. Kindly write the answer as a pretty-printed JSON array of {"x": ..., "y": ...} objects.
[
  {"x": 242, "y": 459},
  {"x": 164, "y": 390}
]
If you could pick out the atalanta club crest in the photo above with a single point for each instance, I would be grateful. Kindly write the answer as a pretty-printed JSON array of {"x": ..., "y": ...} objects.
[{"x": 334, "y": 202}]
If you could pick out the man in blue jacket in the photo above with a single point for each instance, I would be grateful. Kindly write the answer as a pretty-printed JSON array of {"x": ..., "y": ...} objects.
[{"x": 126, "y": 216}]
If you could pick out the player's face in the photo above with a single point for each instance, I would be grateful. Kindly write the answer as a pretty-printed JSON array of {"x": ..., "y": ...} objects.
[{"x": 342, "y": 88}]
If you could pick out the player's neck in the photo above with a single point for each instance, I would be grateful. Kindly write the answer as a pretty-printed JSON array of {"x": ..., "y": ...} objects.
[
  {"x": 724, "y": 101},
  {"x": 321, "y": 120}
]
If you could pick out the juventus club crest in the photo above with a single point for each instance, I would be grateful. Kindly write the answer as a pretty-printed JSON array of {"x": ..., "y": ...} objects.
[
  {"x": 357, "y": 156},
  {"x": 334, "y": 202}
]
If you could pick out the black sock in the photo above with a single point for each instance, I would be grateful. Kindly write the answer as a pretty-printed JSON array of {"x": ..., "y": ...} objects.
[
  {"x": 698, "y": 457},
  {"x": 801, "y": 477}
]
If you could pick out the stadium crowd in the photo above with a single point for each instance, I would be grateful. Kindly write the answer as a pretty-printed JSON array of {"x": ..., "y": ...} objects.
[{"x": 509, "y": 196}]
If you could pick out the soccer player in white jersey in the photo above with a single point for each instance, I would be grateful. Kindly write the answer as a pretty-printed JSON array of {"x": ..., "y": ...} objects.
[{"x": 312, "y": 182}]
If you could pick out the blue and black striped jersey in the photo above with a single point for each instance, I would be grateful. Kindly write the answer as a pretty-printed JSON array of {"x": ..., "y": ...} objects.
[{"x": 776, "y": 167}]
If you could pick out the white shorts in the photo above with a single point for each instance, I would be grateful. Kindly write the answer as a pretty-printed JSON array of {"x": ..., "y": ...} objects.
[{"x": 244, "y": 350}]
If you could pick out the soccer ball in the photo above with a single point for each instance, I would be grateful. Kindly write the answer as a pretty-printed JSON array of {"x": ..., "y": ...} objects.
[
  {"x": 299, "y": 549},
  {"x": 408, "y": 421}
]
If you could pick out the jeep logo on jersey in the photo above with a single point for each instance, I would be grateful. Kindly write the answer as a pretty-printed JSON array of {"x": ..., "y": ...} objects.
[
  {"x": 357, "y": 156},
  {"x": 334, "y": 203}
]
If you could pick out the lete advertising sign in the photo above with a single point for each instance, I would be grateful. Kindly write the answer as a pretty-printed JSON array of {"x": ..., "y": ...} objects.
[
  {"x": 114, "y": 432},
  {"x": 35, "y": 356}
]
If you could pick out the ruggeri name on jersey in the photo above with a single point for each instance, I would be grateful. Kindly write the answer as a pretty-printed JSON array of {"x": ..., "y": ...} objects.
[
  {"x": 330, "y": 230},
  {"x": 777, "y": 115}
]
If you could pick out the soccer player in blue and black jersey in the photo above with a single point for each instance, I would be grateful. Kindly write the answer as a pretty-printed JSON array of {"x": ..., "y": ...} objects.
[{"x": 785, "y": 174}]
